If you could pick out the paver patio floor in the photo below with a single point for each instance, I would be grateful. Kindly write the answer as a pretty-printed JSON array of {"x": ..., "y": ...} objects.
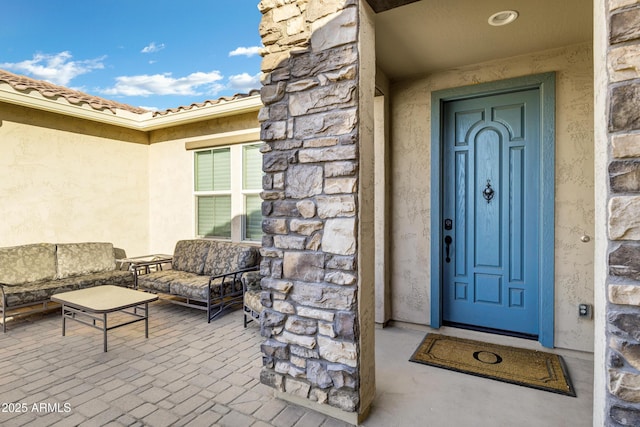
[{"x": 191, "y": 373}]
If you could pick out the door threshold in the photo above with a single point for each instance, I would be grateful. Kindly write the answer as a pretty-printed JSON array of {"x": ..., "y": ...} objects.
[{"x": 491, "y": 331}]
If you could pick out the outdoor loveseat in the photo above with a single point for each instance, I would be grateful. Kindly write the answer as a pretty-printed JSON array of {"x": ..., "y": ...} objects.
[
  {"x": 205, "y": 274},
  {"x": 31, "y": 274}
]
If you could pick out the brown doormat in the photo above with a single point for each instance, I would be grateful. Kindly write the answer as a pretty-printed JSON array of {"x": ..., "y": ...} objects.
[{"x": 529, "y": 368}]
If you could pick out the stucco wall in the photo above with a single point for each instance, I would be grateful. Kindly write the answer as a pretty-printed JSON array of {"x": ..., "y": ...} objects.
[
  {"x": 68, "y": 180},
  {"x": 410, "y": 217},
  {"x": 204, "y": 128},
  {"x": 171, "y": 204},
  {"x": 64, "y": 179},
  {"x": 171, "y": 200}
]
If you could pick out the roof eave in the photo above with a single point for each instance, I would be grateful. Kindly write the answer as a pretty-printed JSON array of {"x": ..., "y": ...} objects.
[
  {"x": 34, "y": 99},
  {"x": 142, "y": 122},
  {"x": 227, "y": 108}
]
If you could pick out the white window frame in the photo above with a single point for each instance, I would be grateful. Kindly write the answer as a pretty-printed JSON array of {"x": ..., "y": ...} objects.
[
  {"x": 237, "y": 192},
  {"x": 245, "y": 193}
]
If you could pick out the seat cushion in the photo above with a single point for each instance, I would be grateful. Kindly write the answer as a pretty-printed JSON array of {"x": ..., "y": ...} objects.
[
  {"x": 196, "y": 287},
  {"x": 252, "y": 301},
  {"x": 36, "y": 292},
  {"x": 41, "y": 291},
  {"x": 112, "y": 277},
  {"x": 160, "y": 281},
  {"x": 27, "y": 263}
]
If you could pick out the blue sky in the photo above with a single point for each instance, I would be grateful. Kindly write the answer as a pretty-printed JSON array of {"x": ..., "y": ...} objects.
[{"x": 154, "y": 54}]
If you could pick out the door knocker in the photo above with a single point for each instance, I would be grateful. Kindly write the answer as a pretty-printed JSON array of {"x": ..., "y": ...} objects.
[{"x": 488, "y": 192}]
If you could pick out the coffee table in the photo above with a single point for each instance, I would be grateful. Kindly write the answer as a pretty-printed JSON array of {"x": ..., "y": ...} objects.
[{"x": 97, "y": 302}]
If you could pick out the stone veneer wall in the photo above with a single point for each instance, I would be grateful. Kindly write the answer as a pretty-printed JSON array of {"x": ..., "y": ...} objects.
[
  {"x": 311, "y": 163},
  {"x": 623, "y": 287}
]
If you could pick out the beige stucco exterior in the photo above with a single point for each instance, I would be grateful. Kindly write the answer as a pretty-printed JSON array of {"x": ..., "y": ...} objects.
[
  {"x": 69, "y": 180},
  {"x": 65, "y": 179},
  {"x": 170, "y": 195},
  {"x": 171, "y": 200},
  {"x": 574, "y": 205}
]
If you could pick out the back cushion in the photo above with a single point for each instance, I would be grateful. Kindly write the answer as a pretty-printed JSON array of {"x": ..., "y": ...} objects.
[
  {"x": 190, "y": 255},
  {"x": 27, "y": 263},
  {"x": 76, "y": 259},
  {"x": 225, "y": 257}
]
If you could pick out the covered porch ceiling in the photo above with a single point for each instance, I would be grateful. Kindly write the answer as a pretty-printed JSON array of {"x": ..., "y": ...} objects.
[{"x": 422, "y": 37}]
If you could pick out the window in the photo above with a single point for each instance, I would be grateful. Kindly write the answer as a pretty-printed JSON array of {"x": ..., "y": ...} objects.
[{"x": 227, "y": 185}]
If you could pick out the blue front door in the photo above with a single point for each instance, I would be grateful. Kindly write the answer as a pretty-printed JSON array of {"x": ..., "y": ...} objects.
[{"x": 491, "y": 220}]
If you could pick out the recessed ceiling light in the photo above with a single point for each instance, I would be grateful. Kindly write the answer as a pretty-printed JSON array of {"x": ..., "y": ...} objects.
[{"x": 503, "y": 18}]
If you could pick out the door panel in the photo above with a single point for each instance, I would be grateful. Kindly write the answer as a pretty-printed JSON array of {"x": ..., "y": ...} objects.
[{"x": 491, "y": 193}]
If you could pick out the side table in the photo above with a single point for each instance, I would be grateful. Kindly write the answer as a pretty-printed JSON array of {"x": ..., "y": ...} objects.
[{"x": 145, "y": 264}]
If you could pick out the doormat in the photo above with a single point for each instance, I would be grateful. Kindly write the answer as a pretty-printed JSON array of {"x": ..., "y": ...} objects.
[{"x": 529, "y": 368}]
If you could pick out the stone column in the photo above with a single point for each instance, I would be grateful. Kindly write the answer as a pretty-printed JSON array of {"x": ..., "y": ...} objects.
[
  {"x": 318, "y": 204},
  {"x": 622, "y": 310}
]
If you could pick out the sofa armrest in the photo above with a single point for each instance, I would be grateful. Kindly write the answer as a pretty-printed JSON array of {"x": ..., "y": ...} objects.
[
  {"x": 232, "y": 276},
  {"x": 235, "y": 273},
  {"x": 220, "y": 298},
  {"x": 4, "y": 286},
  {"x": 7, "y": 285}
]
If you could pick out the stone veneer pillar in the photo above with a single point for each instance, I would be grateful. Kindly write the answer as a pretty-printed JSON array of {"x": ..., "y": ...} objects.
[
  {"x": 318, "y": 204},
  {"x": 622, "y": 309}
]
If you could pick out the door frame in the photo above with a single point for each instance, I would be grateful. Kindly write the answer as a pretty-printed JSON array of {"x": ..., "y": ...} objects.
[{"x": 546, "y": 84}]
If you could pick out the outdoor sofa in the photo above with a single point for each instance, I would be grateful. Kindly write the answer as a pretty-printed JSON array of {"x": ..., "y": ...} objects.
[
  {"x": 31, "y": 274},
  {"x": 205, "y": 274}
]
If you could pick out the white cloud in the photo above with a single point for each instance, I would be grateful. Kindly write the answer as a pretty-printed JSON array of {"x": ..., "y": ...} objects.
[
  {"x": 55, "y": 68},
  {"x": 246, "y": 51},
  {"x": 164, "y": 84},
  {"x": 153, "y": 47},
  {"x": 243, "y": 83}
]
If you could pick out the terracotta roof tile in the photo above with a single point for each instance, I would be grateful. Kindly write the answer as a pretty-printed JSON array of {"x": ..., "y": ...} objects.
[
  {"x": 206, "y": 103},
  {"x": 49, "y": 90}
]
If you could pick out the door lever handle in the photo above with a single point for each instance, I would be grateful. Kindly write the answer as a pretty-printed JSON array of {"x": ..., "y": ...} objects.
[{"x": 447, "y": 242}]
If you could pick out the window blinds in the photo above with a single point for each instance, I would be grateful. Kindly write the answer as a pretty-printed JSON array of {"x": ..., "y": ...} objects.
[
  {"x": 251, "y": 167},
  {"x": 214, "y": 216}
]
